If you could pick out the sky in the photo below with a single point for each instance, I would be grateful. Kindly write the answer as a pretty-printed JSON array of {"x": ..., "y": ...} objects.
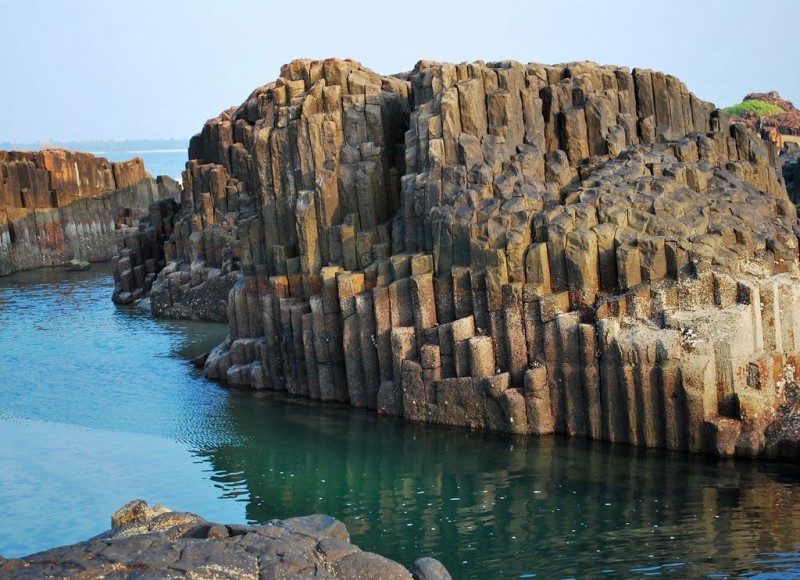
[{"x": 90, "y": 69}]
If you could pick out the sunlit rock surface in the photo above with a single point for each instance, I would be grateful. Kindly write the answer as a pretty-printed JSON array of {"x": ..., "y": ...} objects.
[
  {"x": 58, "y": 205},
  {"x": 577, "y": 249}
]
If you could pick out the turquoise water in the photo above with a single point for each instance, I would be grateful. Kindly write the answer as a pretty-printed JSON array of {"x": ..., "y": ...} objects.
[
  {"x": 169, "y": 162},
  {"x": 99, "y": 404}
]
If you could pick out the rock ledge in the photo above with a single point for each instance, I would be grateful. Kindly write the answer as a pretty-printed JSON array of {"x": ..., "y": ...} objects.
[{"x": 156, "y": 542}]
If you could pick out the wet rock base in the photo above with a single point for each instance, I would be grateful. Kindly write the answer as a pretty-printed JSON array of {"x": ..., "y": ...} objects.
[{"x": 155, "y": 542}]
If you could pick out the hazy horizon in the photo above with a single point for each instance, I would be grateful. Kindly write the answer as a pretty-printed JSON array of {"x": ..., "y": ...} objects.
[
  {"x": 94, "y": 70},
  {"x": 129, "y": 145}
]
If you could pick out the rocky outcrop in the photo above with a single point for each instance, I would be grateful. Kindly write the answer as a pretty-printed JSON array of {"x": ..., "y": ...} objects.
[
  {"x": 159, "y": 543},
  {"x": 197, "y": 288},
  {"x": 141, "y": 253},
  {"x": 773, "y": 127},
  {"x": 790, "y": 162},
  {"x": 147, "y": 266},
  {"x": 58, "y": 205},
  {"x": 574, "y": 249}
]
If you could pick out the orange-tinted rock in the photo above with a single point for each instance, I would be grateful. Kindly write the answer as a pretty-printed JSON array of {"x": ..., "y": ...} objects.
[{"x": 56, "y": 205}]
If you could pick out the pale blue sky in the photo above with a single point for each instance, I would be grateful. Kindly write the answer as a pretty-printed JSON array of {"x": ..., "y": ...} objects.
[{"x": 91, "y": 69}]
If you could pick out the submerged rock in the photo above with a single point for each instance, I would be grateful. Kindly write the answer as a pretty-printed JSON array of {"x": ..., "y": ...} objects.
[
  {"x": 155, "y": 542},
  {"x": 77, "y": 266},
  {"x": 429, "y": 569},
  {"x": 200, "y": 360}
]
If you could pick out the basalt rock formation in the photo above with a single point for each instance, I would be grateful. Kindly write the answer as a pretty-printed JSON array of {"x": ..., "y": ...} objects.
[
  {"x": 156, "y": 542},
  {"x": 58, "y": 205},
  {"x": 577, "y": 249},
  {"x": 772, "y": 127},
  {"x": 790, "y": 162},
  {"x": 141, "y": 253}
]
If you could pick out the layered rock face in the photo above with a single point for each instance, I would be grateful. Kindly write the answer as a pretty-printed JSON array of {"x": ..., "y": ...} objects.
[
  {"x": 574, "y": 249},
  {"x": 790, "y": 161},
  {"x": 159, "y": 543},
  {"x": 58, "y": 205},
  {"x": 147, "y": 266}
]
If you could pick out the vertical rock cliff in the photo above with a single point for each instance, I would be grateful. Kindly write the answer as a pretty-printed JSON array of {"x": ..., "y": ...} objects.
[
  {"x": 575, "y": 249},
  {"x": 58, "y": 205}
]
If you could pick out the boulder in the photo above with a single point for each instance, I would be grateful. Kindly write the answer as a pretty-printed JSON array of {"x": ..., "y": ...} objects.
[
  {"x": 159, "y": 543},
  {"x": 77, "y": 265}
]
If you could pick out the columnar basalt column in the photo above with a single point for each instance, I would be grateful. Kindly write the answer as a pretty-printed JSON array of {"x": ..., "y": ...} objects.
[{"x": 575, "y": 249}]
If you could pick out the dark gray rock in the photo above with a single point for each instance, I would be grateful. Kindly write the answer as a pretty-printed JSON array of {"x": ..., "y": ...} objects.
[
  {"x": 158, "y": 543},
  {"x": 429, "y": 569}
]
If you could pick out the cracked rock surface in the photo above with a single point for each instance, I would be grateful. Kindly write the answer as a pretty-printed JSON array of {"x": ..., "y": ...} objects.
[
  {"x": 155, "y": 542},
  {"x": 577, "y": 249}
]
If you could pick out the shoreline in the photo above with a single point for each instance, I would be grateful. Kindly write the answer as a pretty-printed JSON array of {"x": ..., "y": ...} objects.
[{"x": 368, "y": 461}]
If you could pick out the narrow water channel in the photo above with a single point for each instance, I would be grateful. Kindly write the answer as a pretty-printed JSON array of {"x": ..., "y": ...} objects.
[{"x": 99, "y": 404}]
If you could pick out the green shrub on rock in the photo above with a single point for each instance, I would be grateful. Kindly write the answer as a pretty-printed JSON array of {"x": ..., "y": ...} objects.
[{"x": 759, "y": 108}]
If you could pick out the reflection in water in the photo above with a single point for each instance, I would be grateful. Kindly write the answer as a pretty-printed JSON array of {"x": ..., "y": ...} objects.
[
  {"x": 98, "y": 405},
  {"x": 504, "y": 506},
  {"x": 95, "y": 410},
  {"x": 70, "y": 356}
]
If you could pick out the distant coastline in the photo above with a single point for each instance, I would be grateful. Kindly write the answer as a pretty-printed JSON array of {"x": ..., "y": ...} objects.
[
  {"x": 100, "y": 147},
  {"x": 136, "y": 151},
  {"x": 161, "y": 156}
]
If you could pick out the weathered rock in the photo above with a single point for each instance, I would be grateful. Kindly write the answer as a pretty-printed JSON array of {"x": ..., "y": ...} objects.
[
  {"x": 429, "y": 569},
  {"x": 77, "y": 265},
  {"x": 58, "y": 205},
  {"x": 158, "y": 543},
  {"x": 575, "y": 249},
  {"x": 790, "y": 162},
  {"x": 142, "y": 253}
]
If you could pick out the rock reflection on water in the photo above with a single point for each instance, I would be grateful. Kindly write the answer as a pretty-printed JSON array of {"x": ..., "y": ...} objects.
[
  {"x": 488, "y": 504},
  {"x": 100, "y": 406},
  {"x": 97, "y": 407}
]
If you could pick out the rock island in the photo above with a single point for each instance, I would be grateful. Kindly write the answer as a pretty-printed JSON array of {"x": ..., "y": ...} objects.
[{"x": 575, "y": 249}]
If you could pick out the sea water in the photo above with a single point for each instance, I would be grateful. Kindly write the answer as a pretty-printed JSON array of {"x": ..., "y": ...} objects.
[
  {"x": 169, "y": 162},
  {"x": 100, "y": 404}
]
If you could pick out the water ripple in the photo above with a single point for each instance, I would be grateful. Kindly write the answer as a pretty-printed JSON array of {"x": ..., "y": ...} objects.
[{"x": 98, "y": 405}]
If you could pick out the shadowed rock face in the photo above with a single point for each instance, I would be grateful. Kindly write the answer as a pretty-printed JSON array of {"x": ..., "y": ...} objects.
[
  {"x": 790, "y": 161},
  {"x": 159, "y": 543},
  {"x": 58, "y": 205},
  {"x": 575, "y": 249}
]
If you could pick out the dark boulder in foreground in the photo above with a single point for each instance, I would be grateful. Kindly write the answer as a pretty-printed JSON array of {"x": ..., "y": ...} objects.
[{"x": 155, "y": 542}]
